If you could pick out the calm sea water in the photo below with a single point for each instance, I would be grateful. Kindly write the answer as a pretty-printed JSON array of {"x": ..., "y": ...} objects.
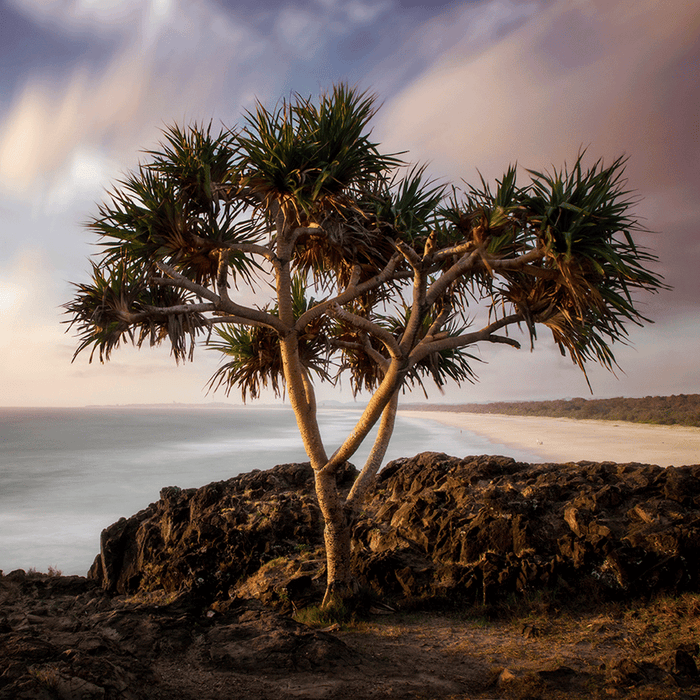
[{"x": 65, "y": 474}]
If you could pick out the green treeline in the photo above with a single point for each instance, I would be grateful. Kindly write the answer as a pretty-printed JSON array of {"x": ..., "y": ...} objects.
[{"x": 683, "y": 409}]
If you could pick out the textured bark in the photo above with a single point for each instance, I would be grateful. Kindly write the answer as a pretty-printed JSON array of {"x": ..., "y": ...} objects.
[
  {"x": 303, "y": 405},
  {"x": 336, "y": 535}
]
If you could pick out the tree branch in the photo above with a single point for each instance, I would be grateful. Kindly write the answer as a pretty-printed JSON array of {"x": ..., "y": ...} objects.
[
  {"x": 438, "y": 287},
  {"x": 222, "y": 277},
  {"x": 175, "y": 279},
  {"x": 382, "y": 396},
  {"x": 364, "y": 324},
  {"x": 366, "y": 347},
  {"x": 517, "y": 263},
  {"x": 376, "y": 456},
  {"x": 301, "y": 230},
  {"x": 423, "y": 349},
  {"x": 251, "y": 248},
  {"x": 460, "y": 250},
  {"x": 352, "y": 292},
  {"x": 420, "y": 282},
  {"x": 439, "y": 322},
  {"x": 181, "y": 309},
  {"x": 412, "y": 258},
  {"x": 226, "y": 305}
]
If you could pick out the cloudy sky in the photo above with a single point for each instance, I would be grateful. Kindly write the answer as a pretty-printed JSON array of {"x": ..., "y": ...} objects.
[{"x": 466, "y": 87}]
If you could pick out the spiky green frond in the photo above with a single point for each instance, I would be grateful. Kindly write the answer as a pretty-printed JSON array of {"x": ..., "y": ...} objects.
[
  {"x": 177, "y": 209},
  {"x": 408, "y": 208},
  {"x": 118, "y": 305},
  {"x": 255, "y": 361},
  {"x": 207, "y": 199},
  {"x": 582, "y": 220},
  {"x": 198, "y": 163},
  {"x": 310, "y": 158}
]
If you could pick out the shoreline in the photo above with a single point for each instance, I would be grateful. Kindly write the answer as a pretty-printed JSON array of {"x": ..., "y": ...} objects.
[{"x": 574, "y": 440}]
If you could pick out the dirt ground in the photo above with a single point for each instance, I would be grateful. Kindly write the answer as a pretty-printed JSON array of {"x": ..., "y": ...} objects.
[
  {"x": 65, "y": 639},
  {"x": 645, "y": 653}
]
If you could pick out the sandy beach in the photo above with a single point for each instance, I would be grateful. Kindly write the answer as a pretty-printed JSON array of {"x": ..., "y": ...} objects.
[{"x": 569, "y": 440}]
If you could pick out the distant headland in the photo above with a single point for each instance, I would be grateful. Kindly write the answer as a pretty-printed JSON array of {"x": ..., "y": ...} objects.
[{"x": 681, "y": 409}]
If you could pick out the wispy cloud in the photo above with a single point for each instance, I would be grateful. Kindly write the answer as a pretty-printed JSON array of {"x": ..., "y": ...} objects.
[
  {"x": 171, "y": 61},
  {"x": 307, "y": 31},
  {"x": 573, "y": 74},
  {"x": 58, "y": 135},
  {"x": 106, "y": 17},
  {"x": 460, "y": 32},
  {"x": 604, "y": 75}
]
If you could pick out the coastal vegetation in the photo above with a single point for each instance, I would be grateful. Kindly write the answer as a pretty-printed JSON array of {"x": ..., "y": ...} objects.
[
  {"x": 681, "y": 409},
  {"x": 301, "y": 253}
]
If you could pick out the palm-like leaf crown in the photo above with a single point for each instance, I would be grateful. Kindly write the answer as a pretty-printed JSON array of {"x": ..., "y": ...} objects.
[
  {"x": 119, "y": 305},
  {"x": 207, "y": 199}
]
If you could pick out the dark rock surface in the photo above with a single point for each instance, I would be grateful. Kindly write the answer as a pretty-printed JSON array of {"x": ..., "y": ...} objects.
[
  {"x": 64, "y": 637},
  {"x": 485, "y": 527},
  {"x": 206, "y": 540},
  {"x": 435, "y": 528}
]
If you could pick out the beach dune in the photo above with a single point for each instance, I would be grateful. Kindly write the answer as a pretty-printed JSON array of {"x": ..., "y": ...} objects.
[{"x": 570, "y": 440}]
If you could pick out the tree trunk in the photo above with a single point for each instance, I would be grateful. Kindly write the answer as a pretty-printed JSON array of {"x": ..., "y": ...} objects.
[
  {"x": 374, "y": 461},
  {"x": 340, "y": 584}
]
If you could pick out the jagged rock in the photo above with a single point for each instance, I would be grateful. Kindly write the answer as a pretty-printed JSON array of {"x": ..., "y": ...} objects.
[
  {"x": 207, "y": 540},
  {"x": 434, "y": 528},
  {"x": 486, "y": 527}
]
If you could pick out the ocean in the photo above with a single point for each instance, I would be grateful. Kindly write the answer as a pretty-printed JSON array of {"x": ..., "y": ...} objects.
[{"x": 67, "y": 473}]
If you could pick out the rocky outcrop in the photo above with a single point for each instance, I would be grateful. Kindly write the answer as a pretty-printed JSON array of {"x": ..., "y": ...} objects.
[
  {"x": 207, "y": 540},
  {"x": 214, "y": 567},
  {"x": 436, "y": 528},
  {"x": 482, "y": 528}
]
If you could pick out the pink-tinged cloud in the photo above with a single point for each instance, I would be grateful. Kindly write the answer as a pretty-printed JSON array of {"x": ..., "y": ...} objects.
[{"x": 610, "y": 76}]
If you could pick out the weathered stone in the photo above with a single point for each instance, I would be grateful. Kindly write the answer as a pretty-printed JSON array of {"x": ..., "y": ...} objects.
[{"x": 477, "y": 528}]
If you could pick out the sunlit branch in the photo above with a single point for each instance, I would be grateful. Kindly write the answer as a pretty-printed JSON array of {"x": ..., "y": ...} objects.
[
  {"x": 251, "y": 249},
  {"x": 376, "y": 456},
  {"x": 486, "y": 334},
  {"x": 374, "y": 409},
  {"x": 387, "y": 274},
  {"x": 222, "y": 277},
  {"x": 237, "y": 320},
  {"x": 227, "y": 306},
  {"x": 301, "y": 230},
  {"x": 438, "y": 287},
  {"x": 518, "y": 263},
  {"x": 175, "y": 279},
  {"x": 179, "y": 309},
  {"x": 460, "y": 250},
  {"x": 439, "y": 322},
  {"x": 364, "y": 324},
  {"x": 415, "y": 321},
  {"x": 412, "y": 258}
]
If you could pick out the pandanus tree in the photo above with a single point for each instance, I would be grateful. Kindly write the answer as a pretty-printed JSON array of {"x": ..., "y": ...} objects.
[{"x": 374, "y": 272}]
